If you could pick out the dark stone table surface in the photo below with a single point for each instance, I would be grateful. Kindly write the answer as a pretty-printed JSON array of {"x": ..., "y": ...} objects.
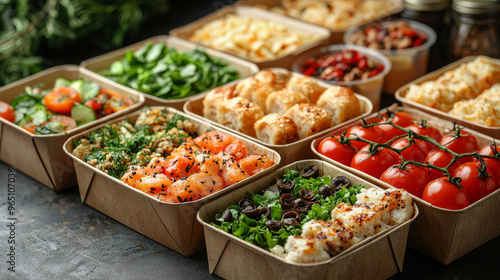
[{"x": 58, "y": 237}]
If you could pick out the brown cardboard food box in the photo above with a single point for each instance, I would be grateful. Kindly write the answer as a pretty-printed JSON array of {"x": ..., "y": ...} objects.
[
  {"x": 401, "y": 93},
  {"x": 41, "y": 156},
  {"x": 290, "y": 152},
  {"x": 441, "y": 234},
  {"x": 285, "y": 61},
  {"x": 230, "y": 257},
  {"x": 173, "y": 225},
  {"x": 337, "y": 35},
  {"x": 103, "y": 62}
]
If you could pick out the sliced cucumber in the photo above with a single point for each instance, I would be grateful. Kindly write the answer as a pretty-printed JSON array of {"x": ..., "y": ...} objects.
[
  {"x": 62, "y": 82},
  {"x": 37, "y": 115},
  {"x": 89, "y": 91},
  {"x": 77, "y": 85},
  {"x": 82, "y": 114}
]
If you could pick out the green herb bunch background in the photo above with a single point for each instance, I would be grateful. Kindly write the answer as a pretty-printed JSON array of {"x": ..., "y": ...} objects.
[{"x": 31, "y": 28}]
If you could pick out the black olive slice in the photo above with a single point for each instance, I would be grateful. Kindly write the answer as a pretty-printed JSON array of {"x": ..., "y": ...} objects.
[
  {"x": 285, "y": 186},
  {"x": 301, "y": 206},
  {"x": 227, "y": 216},
  {"x": 272, "y": 188},
  {"x": 313, "y": 200},
  {"x": 291, "y": 218},
  {"x": 264, "y": 211},
  {"x": 340, "y": 182},
  {"x": 252, "y": 213},
  {"x": 309, "y": 172},
  {"x": 306, "y": 194},
  {"x": 274, "y": 225},
  {"x": 246, "y": 204},
  {"x": 286, "y": 200},
  {"x": 325, "y": 190}
]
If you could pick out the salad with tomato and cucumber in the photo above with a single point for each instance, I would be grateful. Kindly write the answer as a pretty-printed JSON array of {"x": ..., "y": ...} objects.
[
  {"x": 448, "y": 170},
  {"x": 64, "y": 107}
]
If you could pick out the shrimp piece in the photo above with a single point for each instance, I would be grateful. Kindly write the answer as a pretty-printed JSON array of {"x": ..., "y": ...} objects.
[
  {"x": 210, "y": 182},
  {"x": 232, "y": 173},
  {"x": 133, "y": 174},
  {"x": 154, "y": 184},
  {"x": 213, "y": 141},
  {"x": 180, "y": 166},
  {"x": 183, "y": 190},
  {"x": 254, "y": 164},
  {"x": 237, "y": 149}
]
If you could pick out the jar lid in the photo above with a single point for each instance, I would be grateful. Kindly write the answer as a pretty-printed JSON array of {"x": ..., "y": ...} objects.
[
  {"x": 475, "y": 7},
  {"x": 427, "y": 5}
]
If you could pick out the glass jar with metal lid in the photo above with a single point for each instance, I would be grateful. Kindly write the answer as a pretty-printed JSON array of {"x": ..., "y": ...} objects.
[
  {"x": 433, "y": 13},
  {"x": 475, "y": 29}
]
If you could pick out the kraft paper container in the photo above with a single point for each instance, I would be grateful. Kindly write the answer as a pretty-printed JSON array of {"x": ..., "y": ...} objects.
[
  {"x": 41, "y": 156},
  {"x": 103, "y": 62},
  {"x": 401, "y": 93},
  {"x": 284, "y": 61},
  {"x": 407, "y": 64},
  {"x": 442, "y": 234},
  {"x": 377, "y": 257},
  {"x": 336, "y": 35},
  {"x": 173, "y": 225},
  {"x": 290, "y": 152},
  {"x": 370, "y": 88}
]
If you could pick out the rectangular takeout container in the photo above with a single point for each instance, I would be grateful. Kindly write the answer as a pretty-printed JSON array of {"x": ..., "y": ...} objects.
[
  {"x": 41, "y": 156},
  {"x": 103, "y": 62},
  {"x": 289, "y": 152},
  {"x": 401, "y": 93},
  {"x": 173, "y": 225},
  {"x": 336, "y": 35},
  {"x": 284, "y": 61},
  {"x": 442, "y": 234},
  {"x": 377, "y": 257}
]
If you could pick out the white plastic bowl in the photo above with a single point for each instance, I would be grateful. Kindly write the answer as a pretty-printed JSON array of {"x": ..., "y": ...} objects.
[
  {"x": 370, "y": 88},
  {"x": 407, "y": 64}
]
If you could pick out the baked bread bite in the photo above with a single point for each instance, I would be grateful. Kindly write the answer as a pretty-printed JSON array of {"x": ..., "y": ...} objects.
[
  {"x": 276, "y": 129},
  {"x": 213, "y": 97},
  {"x": 307, "y": 86},
  {"x": 341, "y": 104},
  {"x": 257, "y": 88},
  {"x": 309, "y": 118},
  {"x": 239, "y": 114},
  {"x": 279, "y": 101}
]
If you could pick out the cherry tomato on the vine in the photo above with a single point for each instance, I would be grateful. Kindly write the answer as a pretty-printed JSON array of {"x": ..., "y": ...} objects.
[
  {"x": 412, "y": 178},
  {"x": 475, "y": 183},
  {"x": 373, "y": 134},
  {"x": 440, "y": 158},
  {"x": 493, "y": 164},
  {"x": 463, "y": 143},
  {"x": 444, "y": 194},
  {"x": 426, "y": 130},
  {"x": 374, "y": 164},
  {"x": 332, "y": 148},
  {"x": 415, "y": 152}
]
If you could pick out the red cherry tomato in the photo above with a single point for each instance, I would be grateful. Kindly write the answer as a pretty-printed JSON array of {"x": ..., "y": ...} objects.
[
  {"x": 440, "y": 158},
  {"x": 7, "y": 112},
  {"x": 493, "y": 164},
  {"x": 332, "y": 148},
  {"x": 376, "y": 163},
  {"x": 425, "y": 130},
  {"x": 442, "y": 193},
  {"x": 400, "y": 118},
  {"x": 412, "y": 178},
  {"x": 417, "y": 151},
  {"x": 476, "y": 184},
  {"x": 462, "y": 143},
  {"x": 374, "y": 134}
]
